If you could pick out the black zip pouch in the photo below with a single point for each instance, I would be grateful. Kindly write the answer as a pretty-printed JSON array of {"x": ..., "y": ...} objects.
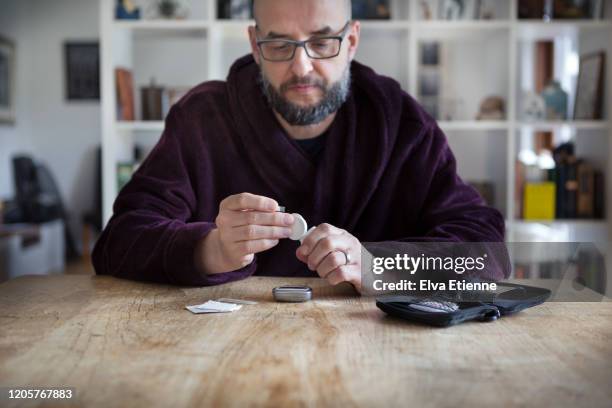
[{"x": 447, "y": 308}]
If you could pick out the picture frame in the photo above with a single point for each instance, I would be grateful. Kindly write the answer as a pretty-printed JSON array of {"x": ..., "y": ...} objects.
[
  {"x": 82, "y": 67},
  {"x": 430, "y": 53},
  {"x": 589, "y": 87},
  {"x": 8, "y": 87}
]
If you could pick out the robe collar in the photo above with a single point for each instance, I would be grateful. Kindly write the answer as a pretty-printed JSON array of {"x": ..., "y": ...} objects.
[{"x": 357, "y": 147}]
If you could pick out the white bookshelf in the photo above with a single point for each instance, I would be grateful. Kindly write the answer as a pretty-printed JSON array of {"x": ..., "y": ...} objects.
[{"x": 203, "y": 47}]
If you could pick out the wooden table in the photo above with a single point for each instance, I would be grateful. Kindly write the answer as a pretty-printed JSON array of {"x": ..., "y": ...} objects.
[{"x": 121, "y": 343}]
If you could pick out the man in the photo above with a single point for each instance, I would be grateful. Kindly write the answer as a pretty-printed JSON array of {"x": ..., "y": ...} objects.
[{"x": 297, "y": 124}]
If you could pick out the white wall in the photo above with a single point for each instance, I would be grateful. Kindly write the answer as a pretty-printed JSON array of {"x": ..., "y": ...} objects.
[
  {"x": 15, "y": 138},
  {"x": 61, "y": 134}
]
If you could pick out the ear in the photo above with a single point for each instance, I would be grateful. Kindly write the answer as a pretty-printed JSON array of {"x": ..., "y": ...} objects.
[
  {"x": 353, "y": 39},
  {"x": 253, "y": 42}
]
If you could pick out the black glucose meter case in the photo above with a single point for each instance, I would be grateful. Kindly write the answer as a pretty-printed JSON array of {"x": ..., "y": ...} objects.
[{"x": 447, "y": 308}]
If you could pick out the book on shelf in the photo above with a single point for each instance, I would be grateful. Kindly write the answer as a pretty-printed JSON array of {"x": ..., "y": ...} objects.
[
  {"x": 573, "y": 189},
  {"x": 156, "y": 100},
  {"x": 577, "y": 9},
  {"x": 567, "y": 184},
  {"x": 151, "y": 101},
  {"x": 540, "y": 270},
  {"x": 522, "y": 271},
  {"x": 599, "y": 206},
  {"x": 552, "y": 269},
  {"x": 125, "y": 94},
  {"x": 519, "y": 184},
  {"x": 560, "y": 9},
  {"x": 585, "y": 207},
  {"x": 539, "y": 201},
  {"x": 371, "y": 10},
  {"x": 234, "y": 10}
]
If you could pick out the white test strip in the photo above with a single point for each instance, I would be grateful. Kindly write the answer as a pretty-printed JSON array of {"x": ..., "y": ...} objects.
[
  {"x": 237, "y": 301},
  {"x": 195, "y": 310},
  {"x": 213, "y": 307}
]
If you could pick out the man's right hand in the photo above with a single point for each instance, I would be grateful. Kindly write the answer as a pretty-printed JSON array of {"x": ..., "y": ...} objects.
[{"x": 246, "y": 225}]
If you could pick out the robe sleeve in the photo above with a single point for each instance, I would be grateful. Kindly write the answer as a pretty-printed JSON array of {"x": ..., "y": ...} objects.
[
  {"x": 151, "y": 235},
  {"x": 452, "y": 212}
]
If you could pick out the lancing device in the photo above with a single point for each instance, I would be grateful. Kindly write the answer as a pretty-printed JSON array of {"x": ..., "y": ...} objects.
[{"x": 299, "y": 229}]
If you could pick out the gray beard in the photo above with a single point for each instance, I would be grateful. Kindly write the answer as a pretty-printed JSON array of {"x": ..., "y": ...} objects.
[{"x": 295, "y": 115}]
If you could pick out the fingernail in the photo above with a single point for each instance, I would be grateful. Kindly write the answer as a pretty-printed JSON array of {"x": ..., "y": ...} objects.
[
  {"x": 289, "y": 219},
  {"x": 287, "y": 232},
  {"x": 304, "y": 250}
]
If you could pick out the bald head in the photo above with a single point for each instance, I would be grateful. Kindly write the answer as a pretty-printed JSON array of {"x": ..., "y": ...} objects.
[{"x": 258, "y": 4}]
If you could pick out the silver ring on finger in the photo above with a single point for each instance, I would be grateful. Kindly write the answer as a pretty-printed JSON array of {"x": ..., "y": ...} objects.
[{"x": 347, "y": 256}]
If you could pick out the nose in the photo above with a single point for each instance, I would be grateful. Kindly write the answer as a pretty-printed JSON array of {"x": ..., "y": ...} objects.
[{"x": 301, "y": 64}]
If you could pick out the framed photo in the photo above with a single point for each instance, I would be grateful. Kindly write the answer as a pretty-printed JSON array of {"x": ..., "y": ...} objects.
[
  {"x": 589, "y": 90},
  {"x": 82, "y": 61},
  {"x": 430, "y": 53},
  {"x": 7, "y": 81}
]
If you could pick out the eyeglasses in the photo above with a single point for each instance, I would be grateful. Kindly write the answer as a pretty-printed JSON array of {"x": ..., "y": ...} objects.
[{"x": 316, "y": 48}]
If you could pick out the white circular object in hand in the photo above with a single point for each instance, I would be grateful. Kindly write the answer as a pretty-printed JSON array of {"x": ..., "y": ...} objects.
[{"x": 299, "y": 228}]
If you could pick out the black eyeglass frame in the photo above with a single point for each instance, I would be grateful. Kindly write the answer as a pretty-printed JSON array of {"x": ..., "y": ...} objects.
[{"x": 296, "y": 44}]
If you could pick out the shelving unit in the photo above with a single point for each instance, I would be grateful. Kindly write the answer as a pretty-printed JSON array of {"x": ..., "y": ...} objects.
[{"x": 487, "y": 51}]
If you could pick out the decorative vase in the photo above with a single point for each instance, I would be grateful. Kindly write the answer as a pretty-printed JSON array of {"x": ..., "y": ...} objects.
[{"x": 555, "y": 99}]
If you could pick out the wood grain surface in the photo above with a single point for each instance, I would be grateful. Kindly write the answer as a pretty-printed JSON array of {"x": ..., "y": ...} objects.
[{"x": 121, "y": 343}]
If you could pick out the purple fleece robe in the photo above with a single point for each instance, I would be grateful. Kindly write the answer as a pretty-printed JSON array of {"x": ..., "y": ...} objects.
[{"x": 386, "y": 174}]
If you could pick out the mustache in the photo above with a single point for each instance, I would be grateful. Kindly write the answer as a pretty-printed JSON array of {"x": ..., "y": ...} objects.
[{"x": 306, "y": 81}]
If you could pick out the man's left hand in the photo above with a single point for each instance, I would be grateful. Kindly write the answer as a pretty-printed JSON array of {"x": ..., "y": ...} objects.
[{"x": 334, "y": 254}]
